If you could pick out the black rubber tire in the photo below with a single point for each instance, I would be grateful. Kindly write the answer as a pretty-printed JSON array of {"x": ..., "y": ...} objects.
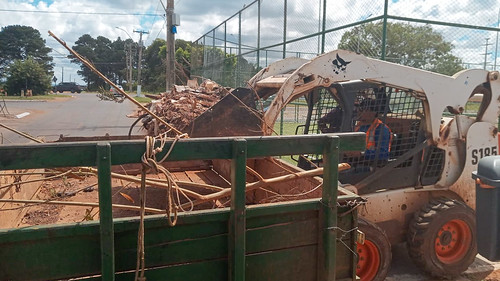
[
  {"x": 377, "y": 236},
  {"x": 423, "y": 237}
]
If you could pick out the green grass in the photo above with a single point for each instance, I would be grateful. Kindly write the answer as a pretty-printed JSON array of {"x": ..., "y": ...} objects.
[
  {"x": 142, "y": 99},
  {"x": 288, "y": 128}
]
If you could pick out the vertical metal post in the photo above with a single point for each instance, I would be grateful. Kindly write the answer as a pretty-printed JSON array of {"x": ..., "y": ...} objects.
[
  {"x": 258, "y": 34},
  {"x": 384, "y": 29},
  {"x": 328, "y": 211},
  {"x": 130, "y": 67},
  {"x": 213, "y": 48},
  {"x": 238, "y": 69},
  {"x": 496, "y": 48},
  {"x": 237, "y": 220},
  {"x": 323, "y": 35},
  {"x": 225, "y": 38},
  {"x": 105, "y": 212},
  {"x": 282, "y": 113},
  {"x": 284, "y": 27}
]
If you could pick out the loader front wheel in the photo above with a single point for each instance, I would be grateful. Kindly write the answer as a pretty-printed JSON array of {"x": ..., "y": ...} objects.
[
  {"x": 374, "y": 256},
  {"x": 442, "y": 238}
]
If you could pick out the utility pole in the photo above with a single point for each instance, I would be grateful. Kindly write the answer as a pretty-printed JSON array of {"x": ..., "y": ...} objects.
[
  {"x": 139, "y": 82},
  {"x": 170, "y": 79},
  {"x": 128, "y": 62}
]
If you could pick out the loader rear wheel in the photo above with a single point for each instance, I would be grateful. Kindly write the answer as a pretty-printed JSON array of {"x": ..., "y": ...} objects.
[
  {"x": 442, "y": 238},
  {"x": 374, "y": 256}
]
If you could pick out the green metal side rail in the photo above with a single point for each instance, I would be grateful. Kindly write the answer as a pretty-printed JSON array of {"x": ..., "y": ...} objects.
[{"x": 297, "y": 240}]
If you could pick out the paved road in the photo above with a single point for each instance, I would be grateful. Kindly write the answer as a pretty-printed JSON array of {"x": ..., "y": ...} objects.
[{"x": 82, "y": 115}]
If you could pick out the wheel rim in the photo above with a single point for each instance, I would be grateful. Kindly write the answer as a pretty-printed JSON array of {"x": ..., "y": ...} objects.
[
  {"x": 368, "y": 261},
  {"x": 452, "y": 241}
]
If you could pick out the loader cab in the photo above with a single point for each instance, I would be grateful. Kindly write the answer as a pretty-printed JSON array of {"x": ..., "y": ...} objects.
[{"x": 337, "y": 109}]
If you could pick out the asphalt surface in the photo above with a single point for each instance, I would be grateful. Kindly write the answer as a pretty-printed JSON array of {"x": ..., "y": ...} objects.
[{"x": 81, "y": 115}]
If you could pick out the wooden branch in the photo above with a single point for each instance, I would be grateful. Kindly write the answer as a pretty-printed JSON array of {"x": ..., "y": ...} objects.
[
  {"x": 148, "y": 181},
  {"x": 261, "y": 183},
  {"x": 21, "y": 133}
]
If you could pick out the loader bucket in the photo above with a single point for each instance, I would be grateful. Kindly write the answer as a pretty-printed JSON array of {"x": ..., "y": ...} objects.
[{"x": 233, "y": 115}]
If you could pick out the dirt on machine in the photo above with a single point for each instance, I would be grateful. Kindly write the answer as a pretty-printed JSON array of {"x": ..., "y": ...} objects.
[{"x": 427, "y": 134}]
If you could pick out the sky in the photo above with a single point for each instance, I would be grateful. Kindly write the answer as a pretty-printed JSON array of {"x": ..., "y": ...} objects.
[{"x": 70, "y": 19}]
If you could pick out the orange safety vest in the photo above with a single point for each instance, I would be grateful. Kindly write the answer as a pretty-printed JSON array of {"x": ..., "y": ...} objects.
[{"x": 371, "y": 144}]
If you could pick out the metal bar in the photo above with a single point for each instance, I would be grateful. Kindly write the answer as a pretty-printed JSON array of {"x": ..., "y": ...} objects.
[
  {"x": 468, "y": 26},
  {"x": 246, "y": 7},
  {"x": 238, "y": 61},
  {"x": 328, "y": 211},
  {"x": 237, "y": 220},
  {"x": 258, "y": 33},
  {"x": 323, "y": 32},
  {"x": 106, "y": 212},
  {"x": 213, "y": 58},
  {"x": 284, "y": 28},
  {"x": 384, "y": 30},
  {"x": 319, "y": 33},
  {"x": 83, "y": 154}
]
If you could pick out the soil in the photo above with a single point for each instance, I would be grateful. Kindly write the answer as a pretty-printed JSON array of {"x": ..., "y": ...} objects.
[{"x": 85, "y": 190}]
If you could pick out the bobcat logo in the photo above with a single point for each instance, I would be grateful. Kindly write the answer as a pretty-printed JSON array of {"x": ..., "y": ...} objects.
[{"x": 339, "y": 65}]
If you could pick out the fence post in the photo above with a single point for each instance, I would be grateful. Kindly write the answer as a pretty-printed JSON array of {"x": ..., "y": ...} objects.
[
  {"x": 384, "y": 29},
  {"x": 258, "y": 34},
  {"x": 323, "y": 37},
  {"x": 284, "y": 27},
  {"x": 238, "y": 64}
]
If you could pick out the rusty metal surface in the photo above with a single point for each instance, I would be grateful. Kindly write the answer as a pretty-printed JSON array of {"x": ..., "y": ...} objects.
[{"x": 234, "y": 115}]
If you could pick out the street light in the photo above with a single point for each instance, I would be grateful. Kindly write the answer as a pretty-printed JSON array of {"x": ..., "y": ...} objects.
[
  {"x": 125, "y": 32},
  {"x": 128, "y": 60}
]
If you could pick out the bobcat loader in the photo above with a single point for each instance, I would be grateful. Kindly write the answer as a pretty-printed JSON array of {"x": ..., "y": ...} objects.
[{"x": 421, "y": 193}]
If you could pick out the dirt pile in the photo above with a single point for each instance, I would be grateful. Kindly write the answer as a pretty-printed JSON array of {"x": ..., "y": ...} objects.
[{"x": 182, "y": 105}]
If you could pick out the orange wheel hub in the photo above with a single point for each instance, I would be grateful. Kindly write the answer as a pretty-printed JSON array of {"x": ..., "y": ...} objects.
[
  {"x": 368, "y": 261},
  {"x": 452, "y": 241}
]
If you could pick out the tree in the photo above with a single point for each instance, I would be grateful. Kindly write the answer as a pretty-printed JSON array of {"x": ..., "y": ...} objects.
[
  {"x": 107, "y": 56},
  {"x": 20, "y": 42},
  {"x": 27, "y": 74},
  {"x": 154, "y": 69},
  {"x": 415, "y": 46}
]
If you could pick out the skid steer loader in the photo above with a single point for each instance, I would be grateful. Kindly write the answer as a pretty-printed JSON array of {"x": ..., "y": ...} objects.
[{"x": 420, "y": 190}]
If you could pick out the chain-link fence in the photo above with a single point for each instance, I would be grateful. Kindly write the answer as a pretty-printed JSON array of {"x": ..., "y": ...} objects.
[{"x": 442, "y": 36}]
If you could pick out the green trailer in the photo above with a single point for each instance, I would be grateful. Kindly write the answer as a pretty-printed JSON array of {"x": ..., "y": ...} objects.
[{"x": 309, "y": 239}]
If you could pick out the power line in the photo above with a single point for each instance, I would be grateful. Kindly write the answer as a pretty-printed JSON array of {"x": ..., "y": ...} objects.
[{"x": 82, "y": 13}]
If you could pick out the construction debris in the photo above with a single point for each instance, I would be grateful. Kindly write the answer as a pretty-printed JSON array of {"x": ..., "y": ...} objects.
[{"x": 182, "y": 105}]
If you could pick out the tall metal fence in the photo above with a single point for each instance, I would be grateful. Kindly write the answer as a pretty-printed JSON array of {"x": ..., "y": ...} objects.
[{"x": 447, "y": 35}]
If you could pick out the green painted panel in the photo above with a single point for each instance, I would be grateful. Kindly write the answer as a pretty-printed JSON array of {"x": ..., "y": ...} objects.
[
  {"x": 283, "y": 235},
  {"x": 269, "y": 219},
  {"x": 287, "y": 264},
  {"x": 196, "y": 271},
  {"x": 50, "y": 258},
  {"x": 122, "y": 152}
]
